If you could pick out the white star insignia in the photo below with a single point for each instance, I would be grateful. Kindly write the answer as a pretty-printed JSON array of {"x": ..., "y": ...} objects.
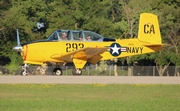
[{"x": 115, "y": 49}]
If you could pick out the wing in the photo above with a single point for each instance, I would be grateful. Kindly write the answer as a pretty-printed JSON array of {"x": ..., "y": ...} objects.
[
  {"x": 154, "y": 45},
  {"x": 91, "y": 54}
]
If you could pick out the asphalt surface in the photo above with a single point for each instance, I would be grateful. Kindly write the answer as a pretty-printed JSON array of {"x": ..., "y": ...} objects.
[{"x": 89, "y": 80}]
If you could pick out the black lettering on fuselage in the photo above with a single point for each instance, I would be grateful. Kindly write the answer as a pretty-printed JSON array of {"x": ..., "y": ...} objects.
[
  {"x": 149, "y": 29},
  {"x": 134, "y": 49},
  {"x": 73, "y": 46}
]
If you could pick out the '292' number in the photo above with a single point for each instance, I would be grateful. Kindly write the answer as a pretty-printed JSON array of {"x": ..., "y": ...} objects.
[{"x": 73, "y": 46}]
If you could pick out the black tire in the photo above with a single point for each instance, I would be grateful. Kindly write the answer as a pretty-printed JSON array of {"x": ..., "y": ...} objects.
[
  {"x": 24, "y": 73},
  {"x": 77, "y": 72},
  {"x": 57, "y": 71}
]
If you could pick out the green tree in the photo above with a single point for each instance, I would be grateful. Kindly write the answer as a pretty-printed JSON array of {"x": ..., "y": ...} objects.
[
  {"x": 170, "y": 28},
  {"x": 19, "y": 15},
  {"x": 110, "y": 18}
]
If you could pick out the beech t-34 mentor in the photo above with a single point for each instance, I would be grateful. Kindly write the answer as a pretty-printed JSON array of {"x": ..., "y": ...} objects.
[{"x": 80, "y": 47}]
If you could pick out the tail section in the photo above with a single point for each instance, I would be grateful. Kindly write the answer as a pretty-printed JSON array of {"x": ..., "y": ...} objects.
[{"x": 149, "y": 31}]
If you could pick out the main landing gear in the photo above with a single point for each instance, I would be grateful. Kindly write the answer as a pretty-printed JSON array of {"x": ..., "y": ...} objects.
[
  {"x": 57, "y": 71},
  {"x": 77, "y": 71}
]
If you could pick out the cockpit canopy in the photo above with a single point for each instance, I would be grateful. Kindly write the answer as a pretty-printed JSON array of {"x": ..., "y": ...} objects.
[{"x": 75, "y": 35}]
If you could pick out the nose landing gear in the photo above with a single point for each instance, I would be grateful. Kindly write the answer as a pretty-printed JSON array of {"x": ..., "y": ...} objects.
[{"x": 24, "y": 71}]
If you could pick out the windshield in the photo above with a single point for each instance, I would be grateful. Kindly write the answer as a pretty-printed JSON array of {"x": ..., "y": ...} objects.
[
  {"x": 59, "y": 35},
  {"x": 54, "y": 36},
  {"x": 92, "y": 36}
]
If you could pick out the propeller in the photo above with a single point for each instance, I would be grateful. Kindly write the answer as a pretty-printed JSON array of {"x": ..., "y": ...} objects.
[{"x": 18, "y": 48}]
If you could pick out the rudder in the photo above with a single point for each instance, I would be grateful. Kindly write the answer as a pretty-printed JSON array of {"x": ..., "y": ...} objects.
[{"x": 149, "y": 31}]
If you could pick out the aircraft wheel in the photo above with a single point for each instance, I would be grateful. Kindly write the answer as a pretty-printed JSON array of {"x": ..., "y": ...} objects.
[
  {"x": 24, "y": 72},
  {"x": 77, "y": 72},
  {"x": 57, "y": 71}
]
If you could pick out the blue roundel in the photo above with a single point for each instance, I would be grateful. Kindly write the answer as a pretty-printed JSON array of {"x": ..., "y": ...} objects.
[{"x": 115, "y": 49}]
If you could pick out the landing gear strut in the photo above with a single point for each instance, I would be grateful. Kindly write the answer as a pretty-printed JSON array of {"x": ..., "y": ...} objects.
[
  {"x": 77, "y": 72},
  {"x": 24, "y": 71}
]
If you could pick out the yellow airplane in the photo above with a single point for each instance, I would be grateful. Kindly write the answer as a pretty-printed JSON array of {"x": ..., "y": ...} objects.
[{"x": 80, "y": 47}]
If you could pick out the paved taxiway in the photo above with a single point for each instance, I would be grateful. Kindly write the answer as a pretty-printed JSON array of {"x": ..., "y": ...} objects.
[{"x": 89, "y": 80}]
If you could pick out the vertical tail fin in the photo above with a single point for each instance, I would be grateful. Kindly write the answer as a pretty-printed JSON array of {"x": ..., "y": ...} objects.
[{"x": 149, "y": 29}]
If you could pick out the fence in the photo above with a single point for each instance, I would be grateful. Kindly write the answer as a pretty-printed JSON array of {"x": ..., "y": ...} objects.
[{"x": 94, "y": 70}]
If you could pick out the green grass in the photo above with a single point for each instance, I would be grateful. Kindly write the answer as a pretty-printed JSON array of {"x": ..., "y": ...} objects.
[{"x": 89, "y": 97}]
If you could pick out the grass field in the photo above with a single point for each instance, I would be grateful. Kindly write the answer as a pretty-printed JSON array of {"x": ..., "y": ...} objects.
[{"x": 89, "y": 97}]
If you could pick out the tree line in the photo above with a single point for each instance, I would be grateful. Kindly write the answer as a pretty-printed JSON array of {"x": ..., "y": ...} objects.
[{"x": 110, "y": 18}]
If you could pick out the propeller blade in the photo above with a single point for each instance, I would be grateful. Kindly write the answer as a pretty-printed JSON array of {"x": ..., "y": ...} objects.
[
  {"x": 18, "y": 48},
  {"x": 18, "y": 40}
]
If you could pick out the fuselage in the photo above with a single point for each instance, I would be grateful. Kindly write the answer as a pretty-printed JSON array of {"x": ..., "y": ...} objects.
[{"x": 42, "y": 52}]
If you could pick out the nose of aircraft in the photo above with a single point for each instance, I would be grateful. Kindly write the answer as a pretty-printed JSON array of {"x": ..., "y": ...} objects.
[{"x": 18, "y": 48}]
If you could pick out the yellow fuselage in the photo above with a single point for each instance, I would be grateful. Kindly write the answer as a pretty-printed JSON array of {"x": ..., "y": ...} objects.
[{"x": 42, "y": 52}]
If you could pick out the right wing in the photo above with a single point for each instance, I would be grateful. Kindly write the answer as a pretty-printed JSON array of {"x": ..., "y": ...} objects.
[{"x": 91, "y": 54}]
